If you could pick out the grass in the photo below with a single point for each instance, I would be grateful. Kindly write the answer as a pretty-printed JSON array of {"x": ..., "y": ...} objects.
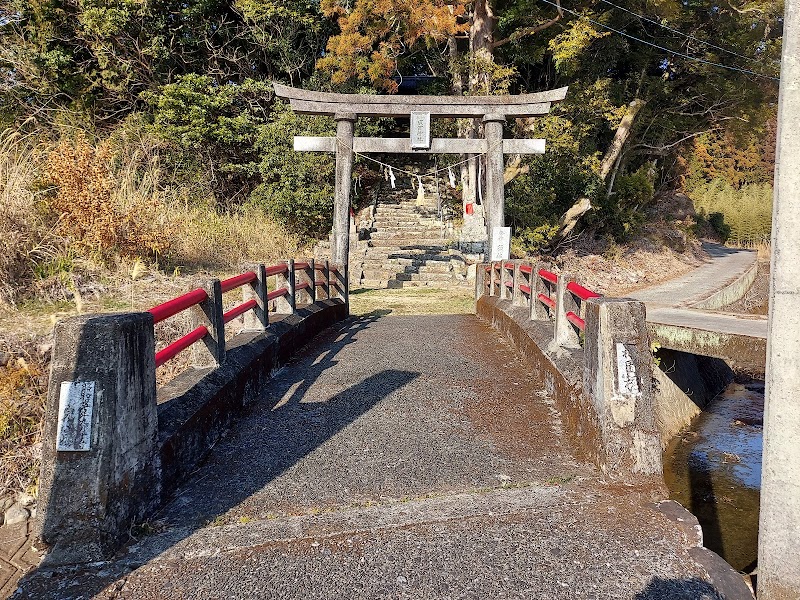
[{"x": 413, "y": 301}]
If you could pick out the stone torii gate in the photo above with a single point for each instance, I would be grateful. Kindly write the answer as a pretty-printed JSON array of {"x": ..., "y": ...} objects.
[{"x": 346, "y": 108}]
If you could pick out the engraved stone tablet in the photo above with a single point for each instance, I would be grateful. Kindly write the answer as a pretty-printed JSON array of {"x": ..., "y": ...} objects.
[
  {"x": 627, "y": 385},
  {"x": 501, "y": 243},
  {"x": 420, "y": 130},
  {"x": 75, "y": 405}
]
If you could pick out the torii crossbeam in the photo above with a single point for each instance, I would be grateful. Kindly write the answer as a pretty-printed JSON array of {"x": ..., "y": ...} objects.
[{"x": 346, "y": 108}]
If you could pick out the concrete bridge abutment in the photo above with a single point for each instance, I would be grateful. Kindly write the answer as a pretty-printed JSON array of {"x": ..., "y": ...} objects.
[
  {"x": 604, "y": 389},
  {"x": 114, "y": 446}
]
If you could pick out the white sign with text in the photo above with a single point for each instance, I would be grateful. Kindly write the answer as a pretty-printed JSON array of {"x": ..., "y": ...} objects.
[
  {"x": 501, "y": 243},
  {"x": 75, "y": 407}
]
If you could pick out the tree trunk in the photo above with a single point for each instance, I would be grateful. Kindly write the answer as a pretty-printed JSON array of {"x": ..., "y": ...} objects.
[
  {"x": 620, "y": 137},
  {"x": 464, "y": 130},
  {"x": 612, "y": 157},
  {"x": 481, "y": 45}
]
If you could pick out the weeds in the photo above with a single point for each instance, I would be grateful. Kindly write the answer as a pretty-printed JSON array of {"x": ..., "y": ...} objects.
[{"x": 22, "y": 393}]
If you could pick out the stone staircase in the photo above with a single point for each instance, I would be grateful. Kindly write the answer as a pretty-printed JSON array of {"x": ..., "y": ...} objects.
[{"x": 409, "y": 246}]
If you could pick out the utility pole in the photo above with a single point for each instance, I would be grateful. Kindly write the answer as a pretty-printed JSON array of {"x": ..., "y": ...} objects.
[{"x": 779, "y": 527}]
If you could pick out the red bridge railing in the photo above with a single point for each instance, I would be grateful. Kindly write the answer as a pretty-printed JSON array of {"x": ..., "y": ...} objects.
[
  {"x": 290, "y": 279},
  {"x": 548, "y": 295}
]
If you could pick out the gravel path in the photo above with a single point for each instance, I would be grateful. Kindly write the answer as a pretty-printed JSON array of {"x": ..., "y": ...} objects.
[{"x": 399, "y": 457}]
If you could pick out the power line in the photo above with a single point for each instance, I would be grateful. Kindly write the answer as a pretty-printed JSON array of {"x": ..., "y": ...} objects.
[
  {"x": 667, "y": 50},
  {"x": 679, "y": 32}
]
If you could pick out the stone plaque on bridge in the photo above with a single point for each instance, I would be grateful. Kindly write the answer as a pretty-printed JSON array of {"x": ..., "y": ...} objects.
[
  {"x": 627, "y": 384},
  {"x": 420, "y": 130},
  {"x": 75, "y": 406}
]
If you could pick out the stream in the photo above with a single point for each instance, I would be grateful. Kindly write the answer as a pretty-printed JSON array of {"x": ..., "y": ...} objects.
[{"x": 714, "y": 469}]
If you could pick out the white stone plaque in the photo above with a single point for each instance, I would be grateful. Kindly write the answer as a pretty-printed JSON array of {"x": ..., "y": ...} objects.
[
  {"x": 501, "y": 243},
  {"x": 627, "y": 384},
  {"x": 420, "y": 130},
  {"x": 75, "y": 405}
]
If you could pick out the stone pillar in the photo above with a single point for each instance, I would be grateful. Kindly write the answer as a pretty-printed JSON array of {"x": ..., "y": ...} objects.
[
  {"x": 517, "y": 297},
  {"x": 102, "y": 474},
  {"x": 345, "y": 125},
  {"x": 494, "y": 199},
  {"x": 779, "y": 526},
  {"x": 258, "y": 318},
  {"x": 503, "y": 280},
  {"x": 327, "y": 277},
  {"x": 564, "y": 334},
  {"x": 211, "y": 352},
  {"x": 492, "y": 279},
  {"x": 480, "y": 282},
  {"x": 617, "y": 379},
  {"x": 312, "y": 281},
  {"x": 286, "y": 304},
  {"x": 539, "y": 312}
]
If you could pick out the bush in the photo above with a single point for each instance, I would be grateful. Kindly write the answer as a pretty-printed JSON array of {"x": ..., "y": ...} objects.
[
  {"x": 621, "y": 214},
  {"x": 212, "y": 129},
  {"x": 99, "y": 222},
  {"x": 297, "y": 188}
]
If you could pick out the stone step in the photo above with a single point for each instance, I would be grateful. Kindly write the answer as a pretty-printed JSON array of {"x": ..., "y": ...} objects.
[
  {"x": 409, "y": 257},
  {"x": 403, "y": 234},
  {"x": 400, "y": 244},
  {"x": 409, "y": 266},
  {"x": 387, "y": 274}
]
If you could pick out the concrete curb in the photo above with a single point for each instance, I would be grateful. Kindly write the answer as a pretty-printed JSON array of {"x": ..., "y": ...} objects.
[{"x": 731, "y": 292}]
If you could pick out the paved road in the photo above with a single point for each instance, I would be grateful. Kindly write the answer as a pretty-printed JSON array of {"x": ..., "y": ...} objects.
[
  {"x": 671, "y": 303},
  {"x": 400, "y": 457}
]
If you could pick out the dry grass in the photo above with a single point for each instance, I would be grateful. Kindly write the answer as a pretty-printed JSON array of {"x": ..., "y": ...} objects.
[
  {"x": 88, "y": 228},
  {"x": 27, "y": 230},
  {"x": 23, "y": 382},
  {"x": 413, "y": 301}
]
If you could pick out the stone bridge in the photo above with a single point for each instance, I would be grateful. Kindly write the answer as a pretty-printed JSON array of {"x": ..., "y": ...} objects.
[{"x": 516, "y": 454}]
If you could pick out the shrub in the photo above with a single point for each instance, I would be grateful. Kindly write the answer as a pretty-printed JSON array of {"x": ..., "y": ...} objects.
[
  {"x": 213, "y": 128},
  {"x": 91, "y": 214},
  {"x": 297, "y": 188},
  {"x": 620, "y": 214}
]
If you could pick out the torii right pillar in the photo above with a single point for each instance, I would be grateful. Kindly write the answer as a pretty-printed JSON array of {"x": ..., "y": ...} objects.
[{"x": 779, "y": 527}]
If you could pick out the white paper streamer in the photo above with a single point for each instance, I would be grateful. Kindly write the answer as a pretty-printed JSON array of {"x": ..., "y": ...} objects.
[
  {"x": 452, "y": 177},
  {"x": 480, "y": 189},
  {"x": 391, "y": 177},
  {"x": 420, "y": 189}
]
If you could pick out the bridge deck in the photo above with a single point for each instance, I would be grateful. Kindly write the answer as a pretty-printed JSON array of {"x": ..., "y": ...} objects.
[{"x": 400, "y": 457}]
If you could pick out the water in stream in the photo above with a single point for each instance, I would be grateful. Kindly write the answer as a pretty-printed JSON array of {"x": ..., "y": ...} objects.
[{"x": 714, "y": 470}]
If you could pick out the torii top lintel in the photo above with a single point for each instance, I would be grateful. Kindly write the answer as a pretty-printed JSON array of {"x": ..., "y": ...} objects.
[{"x": 370, "y": 105}]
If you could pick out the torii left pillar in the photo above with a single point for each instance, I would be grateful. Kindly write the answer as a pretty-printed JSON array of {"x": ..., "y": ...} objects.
[{"x": 345, "y": 125}]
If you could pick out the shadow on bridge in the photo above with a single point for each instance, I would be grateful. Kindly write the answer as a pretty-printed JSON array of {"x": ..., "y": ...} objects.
[
  {"x": 292, "y": 419},
  {"x": 678, "y": 589}
]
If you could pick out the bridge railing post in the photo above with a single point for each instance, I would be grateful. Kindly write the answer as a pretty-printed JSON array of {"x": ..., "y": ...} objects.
[
  {"x": 311, "y": 272},
  {"x": 517, "y": 297},
  {"x": 100, "y": 469},
  {"x": 480, "y": 281},
  {"x": 617, "y": 377},
  {"x": 258, "y": 318},
  {"x": 493, "y": 277},
  {"x": 564, "y": 333},
  {"x": 539, "y": 311},
  {"x": 327, "y": 277},
  {"x": 286, "y": 304},
  {"x": 209, "y": 312},
  {"x": 503, "y": 280}
]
